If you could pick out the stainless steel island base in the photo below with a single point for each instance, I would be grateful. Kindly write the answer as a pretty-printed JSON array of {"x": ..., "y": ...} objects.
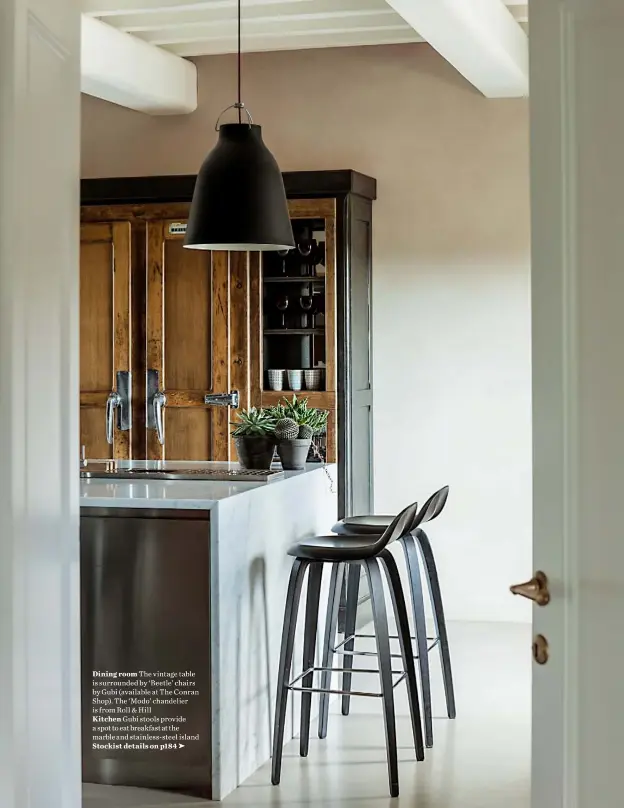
[{"x": 145, "y": 609}]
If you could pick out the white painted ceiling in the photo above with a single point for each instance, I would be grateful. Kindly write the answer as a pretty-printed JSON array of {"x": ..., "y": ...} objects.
[{"x": 200, "y": 27}]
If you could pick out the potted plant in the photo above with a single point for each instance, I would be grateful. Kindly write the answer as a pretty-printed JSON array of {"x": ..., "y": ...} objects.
[
  {"x": 296, "y": 424},
  {"x": 254, "y": 437}
]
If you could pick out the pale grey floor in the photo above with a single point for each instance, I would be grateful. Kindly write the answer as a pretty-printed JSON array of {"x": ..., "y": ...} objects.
[{"x": 481, "y": 760}]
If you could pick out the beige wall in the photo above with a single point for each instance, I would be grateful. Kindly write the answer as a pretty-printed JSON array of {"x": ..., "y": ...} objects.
[{"x": 451, "y": 272}]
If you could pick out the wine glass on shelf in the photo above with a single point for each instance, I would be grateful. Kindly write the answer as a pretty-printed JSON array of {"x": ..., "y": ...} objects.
[
  {"x": 304, "y": 248},
  {"x": 306, "y": 302},
  {"x": 283, "y": 254},
  {"x": 281, "y": 304}
]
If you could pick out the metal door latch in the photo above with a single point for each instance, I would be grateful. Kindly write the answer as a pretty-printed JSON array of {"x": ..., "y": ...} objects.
[{"x": 223, "y": 399}]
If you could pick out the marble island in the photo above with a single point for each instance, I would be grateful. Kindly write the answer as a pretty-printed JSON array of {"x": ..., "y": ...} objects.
[
  {"x": 186, "y": 581},
  {"x": 202, "y": 494}
]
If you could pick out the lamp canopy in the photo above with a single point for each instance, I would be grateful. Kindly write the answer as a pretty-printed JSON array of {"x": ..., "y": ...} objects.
[{"x": 239, "y": 202}]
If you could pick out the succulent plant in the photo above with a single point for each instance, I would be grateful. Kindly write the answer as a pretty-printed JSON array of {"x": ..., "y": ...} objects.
[
  {"x": 254, "y": 423},
  {"x": 305, "y": 432},
  {"x": 286, "y": 429},
  {"x": 302, "y": 414}
]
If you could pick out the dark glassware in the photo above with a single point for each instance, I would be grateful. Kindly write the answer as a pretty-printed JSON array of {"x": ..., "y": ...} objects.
[
  {"x": 283, "y": 254},
  {"x": 306, "y": 302},
  {"x": 305, "y": 248},
  {"x": 281, "y": 304}
]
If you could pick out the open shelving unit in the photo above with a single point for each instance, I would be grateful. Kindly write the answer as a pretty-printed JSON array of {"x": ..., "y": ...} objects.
[{"x": 297, "y": 322}]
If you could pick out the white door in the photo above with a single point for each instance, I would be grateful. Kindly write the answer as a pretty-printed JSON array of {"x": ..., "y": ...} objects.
[
  {"x": 39, "y": 204},
  {"x": 577, "y": 110}
]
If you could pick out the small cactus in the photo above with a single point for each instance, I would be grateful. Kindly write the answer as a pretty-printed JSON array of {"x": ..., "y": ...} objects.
[
  {"x": 305, "y": 432},
  {"x": 286, "y": 429}
]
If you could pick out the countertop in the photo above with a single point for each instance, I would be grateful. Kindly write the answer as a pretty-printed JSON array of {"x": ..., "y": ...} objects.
[{"x": 175, "y": 494}]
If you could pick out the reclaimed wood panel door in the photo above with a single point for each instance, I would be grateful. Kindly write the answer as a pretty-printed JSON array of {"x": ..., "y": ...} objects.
[
  {"x": 197, "y": 339},
  {"x": 105, "y": 332}
]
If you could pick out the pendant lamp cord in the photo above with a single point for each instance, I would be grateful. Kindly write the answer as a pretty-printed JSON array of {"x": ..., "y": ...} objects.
[
  {"x": 240, "y": 100},
  {"x": 239, "y": 106}
]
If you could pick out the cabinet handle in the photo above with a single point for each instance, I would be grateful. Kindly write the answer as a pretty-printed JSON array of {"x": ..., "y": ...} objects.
[
  {"x": 119, "y": 402},
  {"x": 155, "y": 402},
  {"x": 160, "y": 401},
  {"x": 112, "y": 402}
]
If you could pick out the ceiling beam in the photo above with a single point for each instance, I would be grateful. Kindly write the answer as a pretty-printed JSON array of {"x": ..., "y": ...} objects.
[
  {"x": 127, "y": 71},
  {"x": 480, "y": 38},
  {"x": 173, "y": 38},
  {"x": 252, "y": 21},
  {"x": 341, "y": 39},
  {"x": 278, "y": 28},
  {"x": 109, "y": 8}
]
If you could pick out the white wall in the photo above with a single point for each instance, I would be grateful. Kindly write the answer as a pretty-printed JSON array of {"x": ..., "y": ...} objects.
[{"x": 451, "y": 273}]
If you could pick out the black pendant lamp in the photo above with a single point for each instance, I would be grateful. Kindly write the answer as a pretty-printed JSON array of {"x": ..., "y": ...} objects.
[{"x": 239, "y": 202}]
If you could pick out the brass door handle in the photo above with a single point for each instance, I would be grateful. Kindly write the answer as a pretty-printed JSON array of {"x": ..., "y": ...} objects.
[{"x": 536, "y": 589}]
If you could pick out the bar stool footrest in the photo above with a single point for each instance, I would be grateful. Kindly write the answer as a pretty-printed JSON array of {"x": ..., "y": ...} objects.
[
  {"x": 293, "y": 684},
  {"x": 339, "y": 649}
]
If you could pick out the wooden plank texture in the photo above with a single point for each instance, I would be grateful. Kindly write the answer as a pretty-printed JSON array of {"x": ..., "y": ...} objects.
[
  {"x": 311, "y": 208},
  {"x": 221, "y": 359},
  {"x": 239, "y": 330},
  {"x": 155, "y": 213},
  {"x": 155, "y": 320},
  {"x": 105, "y": 339},
  {"x": 255, "y": 329},
  {"x": 122, "y": 313},
  {"x": 331, "y": 346}
]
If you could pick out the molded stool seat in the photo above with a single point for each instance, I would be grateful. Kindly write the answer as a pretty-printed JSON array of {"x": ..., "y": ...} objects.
[
  {"x": 359, "y": 525},
  {"x": 417, "y": 549},
  {"x": 335, "y": 548}
]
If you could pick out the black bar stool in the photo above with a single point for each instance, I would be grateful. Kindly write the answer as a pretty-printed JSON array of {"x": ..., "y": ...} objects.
[
  {"x": 370, "y": 552},
  {"x": 415, "y": 543}
]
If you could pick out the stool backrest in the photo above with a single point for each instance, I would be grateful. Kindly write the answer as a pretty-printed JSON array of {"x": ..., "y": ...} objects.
[
  {"x": 433, "y": 506},
  {"x": 400, "y": 525}
]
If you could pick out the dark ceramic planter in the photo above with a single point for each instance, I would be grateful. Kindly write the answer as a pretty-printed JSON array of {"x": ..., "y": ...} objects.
[
  {"x": 255, "y": 452},
  {"x": 294, "y": 453}
]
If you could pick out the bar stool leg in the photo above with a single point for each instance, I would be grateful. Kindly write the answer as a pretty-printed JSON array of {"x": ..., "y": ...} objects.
[
  {"x": 440, "y": 622},
  {"x": 291, "y": 610},
  {"x": 402, "y": 621},
  {"x": 418, "y": 609},
  {"x": 380, "y": 618},
  {"x": 353, "y": 593},
  {"x": 309, "y": 647},
  {"x": 331, "y": 622}
]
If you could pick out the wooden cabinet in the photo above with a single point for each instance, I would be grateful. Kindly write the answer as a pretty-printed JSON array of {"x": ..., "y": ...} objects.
[
  {"x": 105, "y": 331},
  {"x": 192, "y": 327},
  {"x": 211, "y": 323}
]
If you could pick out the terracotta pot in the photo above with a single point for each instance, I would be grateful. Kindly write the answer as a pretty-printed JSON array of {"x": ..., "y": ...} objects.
[
  {"x": 255, "y": 452},
  {"x": 294, "y": 453}
]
